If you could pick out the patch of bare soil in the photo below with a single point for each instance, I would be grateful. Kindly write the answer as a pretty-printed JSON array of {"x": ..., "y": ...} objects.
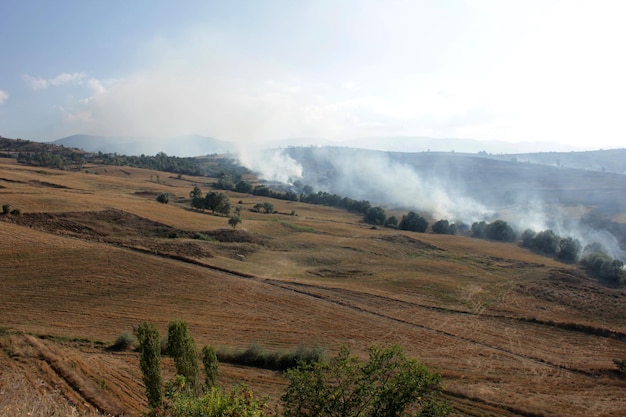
[
  {"x": 578, "y": 292},
  {"x": 128, "y": 230},
  {"x": 340, "y": 273},
  {"x": 235, "y": 236},
  {"x": 46, "y": 184},
  {"x": 409, "y": 241}
]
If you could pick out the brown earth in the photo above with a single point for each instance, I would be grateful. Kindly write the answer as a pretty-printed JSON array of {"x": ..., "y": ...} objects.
[{"x": 512, "y": 333}]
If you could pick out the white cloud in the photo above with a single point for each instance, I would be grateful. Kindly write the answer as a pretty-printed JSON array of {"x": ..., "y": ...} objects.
[
  {"x": 501, "y": 71},
  {"x": 65, "y": 78},
  {"x": 4, "y": 96}
]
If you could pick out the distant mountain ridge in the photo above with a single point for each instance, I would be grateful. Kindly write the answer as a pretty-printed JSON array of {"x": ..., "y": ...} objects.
[
  {"x": 188, "y": 145},
  {"x": 196, "y": 145}
]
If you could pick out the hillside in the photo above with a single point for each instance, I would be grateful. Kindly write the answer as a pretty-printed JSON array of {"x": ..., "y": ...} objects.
[{"x": 93, "y": 254}]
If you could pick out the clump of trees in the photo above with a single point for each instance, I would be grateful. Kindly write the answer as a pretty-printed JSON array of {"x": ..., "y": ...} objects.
[
  {"x": 413, "y": 222},
  {"x": 163, "y": 198},
  {"x": 216, "y": 202},
  {"x": 550, "y": 243},
  {"x": 387, "y": 385},
  {"x": 497, "y": 230},
  {"x": 265, "y": 207},
  {"x": 444, "y": 227},
  {"x": 605, "y": 268},
  {"x": 255, "y": 355},
  {"x": 6, "y": 209},
  {"x": 375, "y": 216}
]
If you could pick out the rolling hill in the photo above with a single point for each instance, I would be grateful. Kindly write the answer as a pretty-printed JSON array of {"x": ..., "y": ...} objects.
[{"x": 93, "y": 254}]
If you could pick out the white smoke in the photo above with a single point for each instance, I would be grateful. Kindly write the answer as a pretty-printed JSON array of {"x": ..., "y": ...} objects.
[{"x": 271, "y": 164}]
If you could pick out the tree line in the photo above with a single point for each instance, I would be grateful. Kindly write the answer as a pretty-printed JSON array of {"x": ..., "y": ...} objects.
[{"x": 593, "y": 258}]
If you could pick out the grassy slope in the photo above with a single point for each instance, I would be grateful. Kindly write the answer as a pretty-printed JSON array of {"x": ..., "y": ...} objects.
[{"x": 480, "y": 313}]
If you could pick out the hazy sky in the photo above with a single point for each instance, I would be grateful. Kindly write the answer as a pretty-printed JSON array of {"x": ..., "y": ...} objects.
[{"x": 513, "y": 70}]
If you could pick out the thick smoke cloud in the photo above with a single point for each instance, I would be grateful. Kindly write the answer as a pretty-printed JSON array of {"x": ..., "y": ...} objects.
[{"x": 389, "y": 180}]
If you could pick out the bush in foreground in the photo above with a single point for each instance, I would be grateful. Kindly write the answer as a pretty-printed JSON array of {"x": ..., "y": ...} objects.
[
  {"x": 125, "y": 341},
  {"x": 387, "y": 385}
]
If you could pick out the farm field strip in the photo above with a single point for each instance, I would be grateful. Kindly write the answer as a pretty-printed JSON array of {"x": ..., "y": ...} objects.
[{"x": 472, "y": 310}]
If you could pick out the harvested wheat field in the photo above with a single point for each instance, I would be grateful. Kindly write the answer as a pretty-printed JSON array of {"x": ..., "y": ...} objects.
[{"x": 93, "y": 254}]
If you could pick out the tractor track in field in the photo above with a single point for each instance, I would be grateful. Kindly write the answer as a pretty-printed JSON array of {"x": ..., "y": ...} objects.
[
  {"x": 308, "y": 290},
  {"x": 361, "y": 302}
]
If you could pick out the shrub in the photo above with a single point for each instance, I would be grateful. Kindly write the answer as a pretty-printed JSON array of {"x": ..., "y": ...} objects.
[
  {"x": 384, "y": 386},
  {"x": 621, "y": 366},
  {"x": 392, "y": 222},
  {"x": 16, "y": 212},
  {"x": 163, "y": 198},
  {"x": 255, "y": 355},
  {"x": 240, "y": 402},
  {"x": 125, "y": 341},
  {"x": 6, "y": 208}
]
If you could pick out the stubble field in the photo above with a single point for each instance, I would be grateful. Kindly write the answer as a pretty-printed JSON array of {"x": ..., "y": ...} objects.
[{"x": 93, "y": 254}]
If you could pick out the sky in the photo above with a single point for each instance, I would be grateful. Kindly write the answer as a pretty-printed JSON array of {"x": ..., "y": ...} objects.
[{"x": 253, "y": 72}]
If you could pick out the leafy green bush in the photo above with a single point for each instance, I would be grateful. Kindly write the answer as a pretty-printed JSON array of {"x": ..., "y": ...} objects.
[
  {"x": 240, "y": 402},
  {"x": 6, "y": 208},
  {"x": 387, "y": 385},
  {"x": 255, "y": 355},
  {"x": 163, "y": 198}
]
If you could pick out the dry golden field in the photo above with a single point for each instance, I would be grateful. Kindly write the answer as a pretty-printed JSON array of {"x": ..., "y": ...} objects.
[{"x": 93, "y": 254}]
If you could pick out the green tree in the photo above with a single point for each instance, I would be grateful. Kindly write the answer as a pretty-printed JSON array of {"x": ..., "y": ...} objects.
[
  {"x": 211, "y": 366},
  {"x": 547, "y": 242},
  {"x": 234, "y": 221},
  {"x": 218, "y": 203},
  {"x": 244, "y": 186},
  {"x": 150, "y": 362},
  {"x": 387, "y": 385},
  {"x": 392, "y": 221},
  {"x": 196, "y": 198},
  {"x": 413, "y": 222},
  {"x": 268, "y": 207},
  {"x": 500, "y": 230},
  {"x": 569, "y": 249},
  {"x": 181, "y": 346},
  {"x": 479, "y": 229},
  {"x": 163, "y": 198},
  {"x": 375, "y": 215},
  {"x": 441, "y": 227},
  {"x": 528, "y": 238}
]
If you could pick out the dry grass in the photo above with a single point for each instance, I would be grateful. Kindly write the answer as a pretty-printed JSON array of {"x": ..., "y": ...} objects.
[{"x": 483, "y": 314}]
